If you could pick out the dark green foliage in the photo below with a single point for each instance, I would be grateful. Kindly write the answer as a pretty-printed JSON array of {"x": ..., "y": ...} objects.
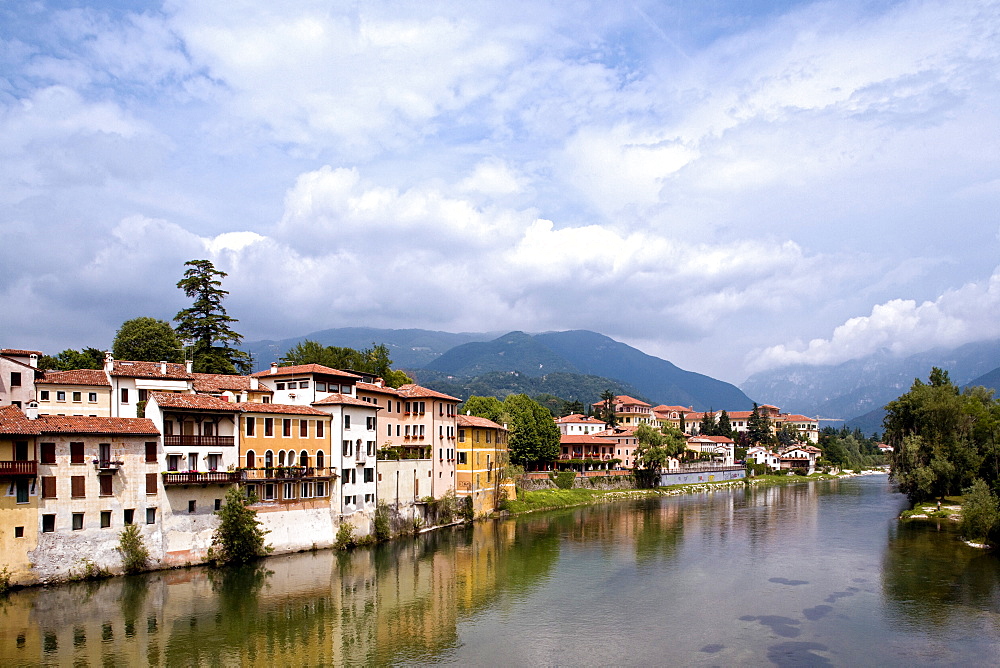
[
  {"x": 69, "y": 359},
  {"x": 382, "y": 522},
  {"x": 239, "y": 538},
  {"x": 942, "y": 439},
  {"x": 723, "y": 427},
  {"x": 147, "y": 339},
  {"x": 655, "y": 446},
  {"x": 206, "y": 324},
  {"x": 135, "y": 556},
  {"x": 759, "y": 428},
  {"x": 533, "y": 437},
  {"x": 563, "y": 479},
  {"x": 849, "y": 449},
  {"x": 980, "y": 513},
  {"x": 467, "y": 509},
  {"x": 607, "y": 413},
  {"x": 345, "y": 536},
  {"x": 374, "y": 360}
]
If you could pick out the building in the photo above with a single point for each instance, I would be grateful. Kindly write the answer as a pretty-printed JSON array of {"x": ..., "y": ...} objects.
[
  {"x": 629, "y": 411},
  {"x": 132, "y": 381},
  {"x": 481, "y": 464},
  {"x": 19, "y": 505},
  {"x": 78, "y": 392},
  {"x": 579, "y": 424},
  {"x": 18, "y": 370},
  {"x": 720, "y": 448},
  {"x": 671, "y": 416}
]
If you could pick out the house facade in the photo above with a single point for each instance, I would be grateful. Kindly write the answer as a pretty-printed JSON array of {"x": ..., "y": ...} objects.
[{"x": 481, "y": 463}]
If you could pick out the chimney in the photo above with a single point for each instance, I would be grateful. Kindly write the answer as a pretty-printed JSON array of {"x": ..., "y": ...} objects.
[
  {"x": 109, "y": 361},
  {"x": 379, "y": 382},
  {"x": 31, "y": 410},
  {"x": 33, "y": 360},
  {"x": 163, "y": 367},
  {"x": 254, "y": 383},
  {"x": 189, "y": 365},
  {"x": 274, "y": 368}
]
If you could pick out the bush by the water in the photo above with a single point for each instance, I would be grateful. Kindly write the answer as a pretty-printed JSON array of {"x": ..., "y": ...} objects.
[{"x": 563, "y": 479}]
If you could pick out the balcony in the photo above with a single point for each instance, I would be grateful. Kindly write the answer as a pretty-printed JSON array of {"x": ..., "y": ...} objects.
[
  {"x": 196, "y": 440},
  {"x": 202, "y": 478},
  {"x": 14, "y": 468},
  {"x": 288, "y": 473},
  {"x": 108, "y": 465}
]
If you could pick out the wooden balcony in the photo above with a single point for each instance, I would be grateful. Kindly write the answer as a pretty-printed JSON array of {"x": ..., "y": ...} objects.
[
  {"x": 18, "y": 468},
  {"x": 279, "y": 473},
  {"x": 202, "y": 478},
  {"x": 196, "y": 440}
]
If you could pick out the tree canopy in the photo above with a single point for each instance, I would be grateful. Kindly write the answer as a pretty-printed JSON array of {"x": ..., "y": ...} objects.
[
  {"x": 943, "y": 439},
  {"x": 147, "y": 339},
  {"x": 656, "y": 446},
  {"x": 608, "y": 408},
  {"x": 69, "y": 359},
  {"x": 534, "y": 436},
  {"x": 374, "y": 360},
  {"x": 206, "y": 325},
  {"x": 759, "y": 428}
]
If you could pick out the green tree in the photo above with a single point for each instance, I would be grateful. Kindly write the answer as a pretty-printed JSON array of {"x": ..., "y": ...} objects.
[
  {"x": 206, "y": 324},
  {"x": 608, "y": 408},
  {"x": 708, "y": 425},
  {"x": 69, "y": 359},
  {"x": 533, "y": 435},
  {"x": 655, "y": 447},
  {"x": 724, "y": 426},
  {"x": 574, "y": 407},
  {"x": 759, "y": 428},
  {"x": 147, "y": 339},
  {"x": 239, "y": 538},
  {"x": 980, "y": 513},
  {"x": 131, "y": 546},
  {"x": 490, "y": 408},
  {"x": 374, "y": 360}
]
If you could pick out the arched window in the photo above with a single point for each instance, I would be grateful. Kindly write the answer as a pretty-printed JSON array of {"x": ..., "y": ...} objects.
[
  {"x": 303, "y": 458},
  {"x": 268, "y": 459},
  {"x": 281, "y": 457},
  {"x": 320, "y": 459},
  {"x": 251, "y": 459}
]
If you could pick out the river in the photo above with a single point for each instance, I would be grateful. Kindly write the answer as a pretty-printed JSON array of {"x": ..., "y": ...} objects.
[{"x": 802, "y": 574}]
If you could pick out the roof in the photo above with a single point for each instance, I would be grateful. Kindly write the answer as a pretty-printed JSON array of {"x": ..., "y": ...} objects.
[
  {"x": 299, "y": 369},
  {"x": 20, "y": 353},
  {"x": 376, "y": 389},
  {"x": 138, "y": 369},
  {"x": 417, "y": 391},
  {"x": 712, "y": 439},
  {"x": 581, "y": 439},
  {"x": 576, "y": 417},
  {"x": 345, "y": 399},
  {"x": 75, "y": 377},
  {"x": 679, "y": 409},
  {"x": 797, "y": 418},
  {"x": 13, "y": 421},
  {"x": 219, "y": 382},
  {"x": 620, "y": 432},
  {"x": 79, "y": 424},
  {"x": 196, "y": 402},
  {"x": 283, "y": 409},
  {"x": 624, "y": 399},
  {"x": 476, "y": 421}
]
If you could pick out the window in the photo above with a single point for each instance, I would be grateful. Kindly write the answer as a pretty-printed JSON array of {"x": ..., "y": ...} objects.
[
  {"x": 461, "y": 458},
  {"x": 43, "y": 395},
  {"x": 303, "y": 428},
  {"x": 306, "y": 490},
  {"x": 265, "y": 399},
  {"x": 106, "y": 484},
  {"x": 369, "y": 475},
  {"x": 289, "y": 491},
  {"x": 18, "y": 532},
  {"x": 251, "y": 459},
  {"x": 371, "y": 448},
  {"x": 92, "y": 397},
  {"x": 77, "y": 521},
  {"x": 369, "y": 498},
  {"x": 347, "y": 422},
  {"x": 303, "y": 384},
  {"x": 173, "y": 462},
  {"x": 349, "y": 500},
  {"x": 347, "y": 449},
  {"x": 48, "y": 487},
  {"x": 487, "y": 435},
  {"x": 192, "y": 506},
  {"x": 76, "y": 453},
  {"x": 150, "y": 515},
  {"x": 461, "y": 436},
  {"x": 250, "y": 424},
  {"x": 303, "y": 458},
  {"x": 15, "y": 379},
  {"x": 268, "y": 459},
  {"x": 286, "y": 427},
  {"x": 218, "y": 504},
  {"x": 292, "y": 385},
  {"x": 269, "y": 492},
  {"x": 78, "y": 486},
  {"x": 48, "y": 523},
  {"x": 214, "y": 460},
  {"x": 320, "y": 459},
  {"x": 320, "y": 489},
  {"x": 192, "y": 461},
  {"x": 279, "y": 386},
  {"x": 124, "y": 395},
  {"x": 320, "y": 428},
  {"x": 388, "y": 430},
  {"x": 281, "y": 458},
  {"x": 150, "y": 483},
  {"x": 389, "y": 406},
  {"x": 345, "y": 389},
  {"x": 370, "y": 423},
  {"x": 105, "y": 519},
  {"x": 407, "y": 407},
  {"x": 407, "y": 431},
  {"x": 268, "y": 426},
  {"x": 320, "y": 386},
  {"x": 251, "y": 492},
  {"x": 48, "y": 453},
  {"x": 60, "y": 395},
  {"x": 22, "y": 490},
  {"x": 78, "y": 397}
]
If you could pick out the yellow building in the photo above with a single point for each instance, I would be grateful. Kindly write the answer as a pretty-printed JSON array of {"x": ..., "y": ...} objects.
[
  {"x": 18, "y": 511},
  {"x": 79, "y": 392},
  {"x": 482, "y": 462}
]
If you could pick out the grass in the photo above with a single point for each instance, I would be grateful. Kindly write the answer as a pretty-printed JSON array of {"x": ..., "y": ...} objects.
[{"x": 928, "y": 509}]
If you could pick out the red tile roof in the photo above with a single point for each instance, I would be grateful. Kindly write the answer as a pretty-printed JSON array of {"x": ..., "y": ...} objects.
[
  {"x": 344, "y": 399},
  {"x": 220, "y": 382},
  {"x": 713, "y": 439},
  {"x": 19, "y": 353},
  {"x": 411, "y": 391},
  {"x": 299, "y": 369},
  {"x": 582, "y": 439},
  {"x": 284, "y": 409},
  {"x": 375, "y": 389},
  {"x": 13, "y": 421},
  {"x": 577, "y": 418},
  {"x": 476, "y": 421},
  {"x": 75, "y": 377},
  {"x": 624, "y": 399},
  {"x": 198, "y": 402},
  {"x": 137, "y": 369},
  {"x": 78, "y": 424}
]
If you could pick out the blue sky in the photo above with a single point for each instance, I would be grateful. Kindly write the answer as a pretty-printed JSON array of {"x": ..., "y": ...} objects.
[{"x": 732, "y": 186}]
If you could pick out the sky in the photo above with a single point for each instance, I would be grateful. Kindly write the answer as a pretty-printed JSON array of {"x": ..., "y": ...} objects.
[{"x": 732, "y": 186}]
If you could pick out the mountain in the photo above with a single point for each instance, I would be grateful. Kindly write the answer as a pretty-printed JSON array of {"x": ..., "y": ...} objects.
[
  {"x": 408, "y": 348},
  {"x": 593, "y": 354},
  {"x": 567, "y": 386},
  {"x": 860, "y": 388},
  {"x": 990, "y": 380}
]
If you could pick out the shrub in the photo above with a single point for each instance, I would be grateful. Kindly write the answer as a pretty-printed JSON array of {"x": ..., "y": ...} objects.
[
  {"x": 563, "y": 479},
  {"x": 800, "y": 471},
  {"x": 468, "y": 511},
  {"x": 239, "y": 538},
  {"x": 345, "y": 536},
  {"x": 5, "y": 585},
  {"x": 135, "y": 556},
  {"x": 980, "y": 513},
  {"x": 383, "y": 526},
  {"x": 89, "y": 571}
]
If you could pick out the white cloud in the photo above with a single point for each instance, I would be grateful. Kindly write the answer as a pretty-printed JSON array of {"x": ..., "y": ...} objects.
[{"x": 902, "y": 326}]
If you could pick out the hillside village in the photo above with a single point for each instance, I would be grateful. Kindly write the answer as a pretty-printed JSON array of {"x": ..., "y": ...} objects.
[{"x": 86, "y": 452}]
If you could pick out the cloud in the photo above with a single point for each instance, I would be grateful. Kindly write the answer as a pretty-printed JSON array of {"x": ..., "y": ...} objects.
[{"x": 901, "y": 326}]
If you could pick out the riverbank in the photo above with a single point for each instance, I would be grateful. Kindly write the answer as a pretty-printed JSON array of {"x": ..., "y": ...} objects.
[{"x": 552, "y": 499}]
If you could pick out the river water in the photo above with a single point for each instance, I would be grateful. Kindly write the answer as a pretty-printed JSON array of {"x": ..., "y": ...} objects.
[{"x": 803, "y": 574}]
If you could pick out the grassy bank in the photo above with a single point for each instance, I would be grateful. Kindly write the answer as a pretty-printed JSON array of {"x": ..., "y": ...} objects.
[{"x": 951, "y": 509}]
